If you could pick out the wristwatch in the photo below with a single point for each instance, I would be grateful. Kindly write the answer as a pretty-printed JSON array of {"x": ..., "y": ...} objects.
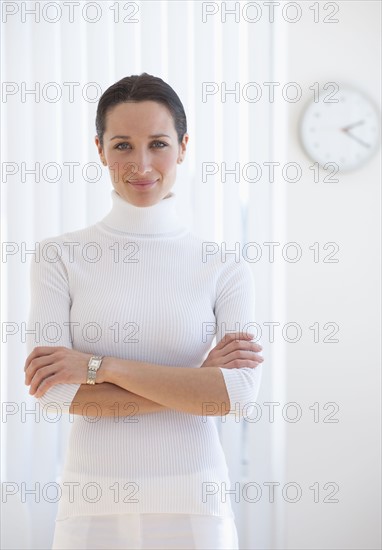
[{"x": 93, "y": 365}]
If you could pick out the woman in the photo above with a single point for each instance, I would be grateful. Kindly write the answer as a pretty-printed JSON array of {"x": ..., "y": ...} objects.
[{"x": 133, "y": 303}]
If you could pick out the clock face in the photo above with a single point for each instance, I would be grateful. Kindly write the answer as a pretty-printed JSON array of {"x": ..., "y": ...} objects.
[{"x": 346, "y": 133}]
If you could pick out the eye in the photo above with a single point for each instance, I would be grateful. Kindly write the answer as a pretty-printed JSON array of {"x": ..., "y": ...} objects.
[
  {"x": 162, "y": 144},
  {"x": 118, "y": 146},
  {"x": 157, "y": 145}
]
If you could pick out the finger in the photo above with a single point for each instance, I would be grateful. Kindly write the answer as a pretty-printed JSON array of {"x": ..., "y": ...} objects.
[
  {"x": 30, "y": 357},
  {"x": 38, "y": 352},
  {"x": 243, "y": 354},
  {"x": 45, "y": 385},
  {"x": 238, "y": 345},
  {"x": 38, "y": 363},
  {"x": 230, "y": 337},
  {"x": 40, "y": 376}
]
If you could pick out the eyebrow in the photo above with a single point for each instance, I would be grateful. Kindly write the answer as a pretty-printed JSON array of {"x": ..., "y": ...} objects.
[{"x": 129, "y": 137}]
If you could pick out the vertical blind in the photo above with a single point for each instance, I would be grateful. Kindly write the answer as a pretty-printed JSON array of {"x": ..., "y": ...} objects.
[{"x": 57, "y": 59}]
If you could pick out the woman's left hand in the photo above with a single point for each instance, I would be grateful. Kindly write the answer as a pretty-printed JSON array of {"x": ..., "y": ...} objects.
[{"x": 47, "y": 366}]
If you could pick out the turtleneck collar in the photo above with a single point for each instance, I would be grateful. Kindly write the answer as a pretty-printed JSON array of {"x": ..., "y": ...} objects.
[{"x": 158, "y": 219}]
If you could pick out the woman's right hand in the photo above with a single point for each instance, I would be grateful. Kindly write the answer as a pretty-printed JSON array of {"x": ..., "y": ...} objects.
[{"x": 234, "y": 351}]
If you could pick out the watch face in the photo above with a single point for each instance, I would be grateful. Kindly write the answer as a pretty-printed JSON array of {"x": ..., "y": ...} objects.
[
  {"x": 94, "y": 363},
  {"x": 346, "y": 132}
]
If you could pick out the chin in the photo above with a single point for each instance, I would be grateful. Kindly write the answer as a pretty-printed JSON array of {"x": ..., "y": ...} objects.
[{"x": 142, "y": 197}]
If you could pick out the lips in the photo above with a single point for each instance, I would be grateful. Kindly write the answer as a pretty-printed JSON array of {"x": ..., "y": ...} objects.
[
  {"x": 142, "y": 185},
  {"x": 142, "y": 182}
]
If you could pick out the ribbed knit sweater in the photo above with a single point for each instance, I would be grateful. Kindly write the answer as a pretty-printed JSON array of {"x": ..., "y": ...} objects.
[{"x": 140, "y": 285}]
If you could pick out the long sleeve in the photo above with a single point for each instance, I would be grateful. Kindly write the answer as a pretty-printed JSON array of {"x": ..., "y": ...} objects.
[
  {"x": 49, "y": 316},
  {"x": 235, "y": 312},
  {"x": 135, "y": 286}
]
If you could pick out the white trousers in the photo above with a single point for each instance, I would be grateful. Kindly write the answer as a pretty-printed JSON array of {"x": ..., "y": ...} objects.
[{"x": 146, "y": 532}]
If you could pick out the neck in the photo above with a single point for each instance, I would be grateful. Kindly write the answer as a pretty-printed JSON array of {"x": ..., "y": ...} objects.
[{"x": 158, "y": 219}]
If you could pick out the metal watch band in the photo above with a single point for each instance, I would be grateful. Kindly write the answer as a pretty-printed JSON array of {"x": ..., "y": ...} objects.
[{"x": 93, "y": 365}]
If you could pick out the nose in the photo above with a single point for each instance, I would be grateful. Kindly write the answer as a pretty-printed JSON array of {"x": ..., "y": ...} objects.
[{"x": 141, "y": 163}]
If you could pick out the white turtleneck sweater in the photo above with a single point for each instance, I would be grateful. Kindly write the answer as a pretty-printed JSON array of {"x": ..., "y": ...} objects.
[{"x": 138, "y": 285}]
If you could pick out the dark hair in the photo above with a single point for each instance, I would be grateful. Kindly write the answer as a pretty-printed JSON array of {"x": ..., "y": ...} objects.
[{"x": 143, "y": 87}]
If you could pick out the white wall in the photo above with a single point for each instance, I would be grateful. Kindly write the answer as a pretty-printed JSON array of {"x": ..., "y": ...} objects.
[{"x": 347, "y": 292}]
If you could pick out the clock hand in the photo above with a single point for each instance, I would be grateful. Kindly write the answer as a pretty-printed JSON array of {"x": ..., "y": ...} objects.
[
  {"x": 359, "y": 140},
  {"x": 347, "y": 128}
]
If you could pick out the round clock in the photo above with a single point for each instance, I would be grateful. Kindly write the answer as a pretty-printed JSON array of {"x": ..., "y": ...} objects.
[{"x": 345, "y": 132}]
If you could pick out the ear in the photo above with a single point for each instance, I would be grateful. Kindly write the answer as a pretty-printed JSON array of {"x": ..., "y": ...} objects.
[
  {"x": 100, "y": 150},
  {"x": 182, "y": 148}
]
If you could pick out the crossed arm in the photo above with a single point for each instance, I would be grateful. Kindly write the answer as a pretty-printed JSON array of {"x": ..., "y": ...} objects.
[
  {"x": 58, "y": 374},
  {"x": 112, "y": 401},
  {"x": 122, "y": 384}
]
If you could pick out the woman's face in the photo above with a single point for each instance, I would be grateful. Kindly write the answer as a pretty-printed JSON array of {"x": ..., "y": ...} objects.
[{"x": 141, "y": 150}]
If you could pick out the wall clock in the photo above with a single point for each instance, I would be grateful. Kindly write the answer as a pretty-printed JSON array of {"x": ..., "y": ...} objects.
[{"x": 346, "y": 132}]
